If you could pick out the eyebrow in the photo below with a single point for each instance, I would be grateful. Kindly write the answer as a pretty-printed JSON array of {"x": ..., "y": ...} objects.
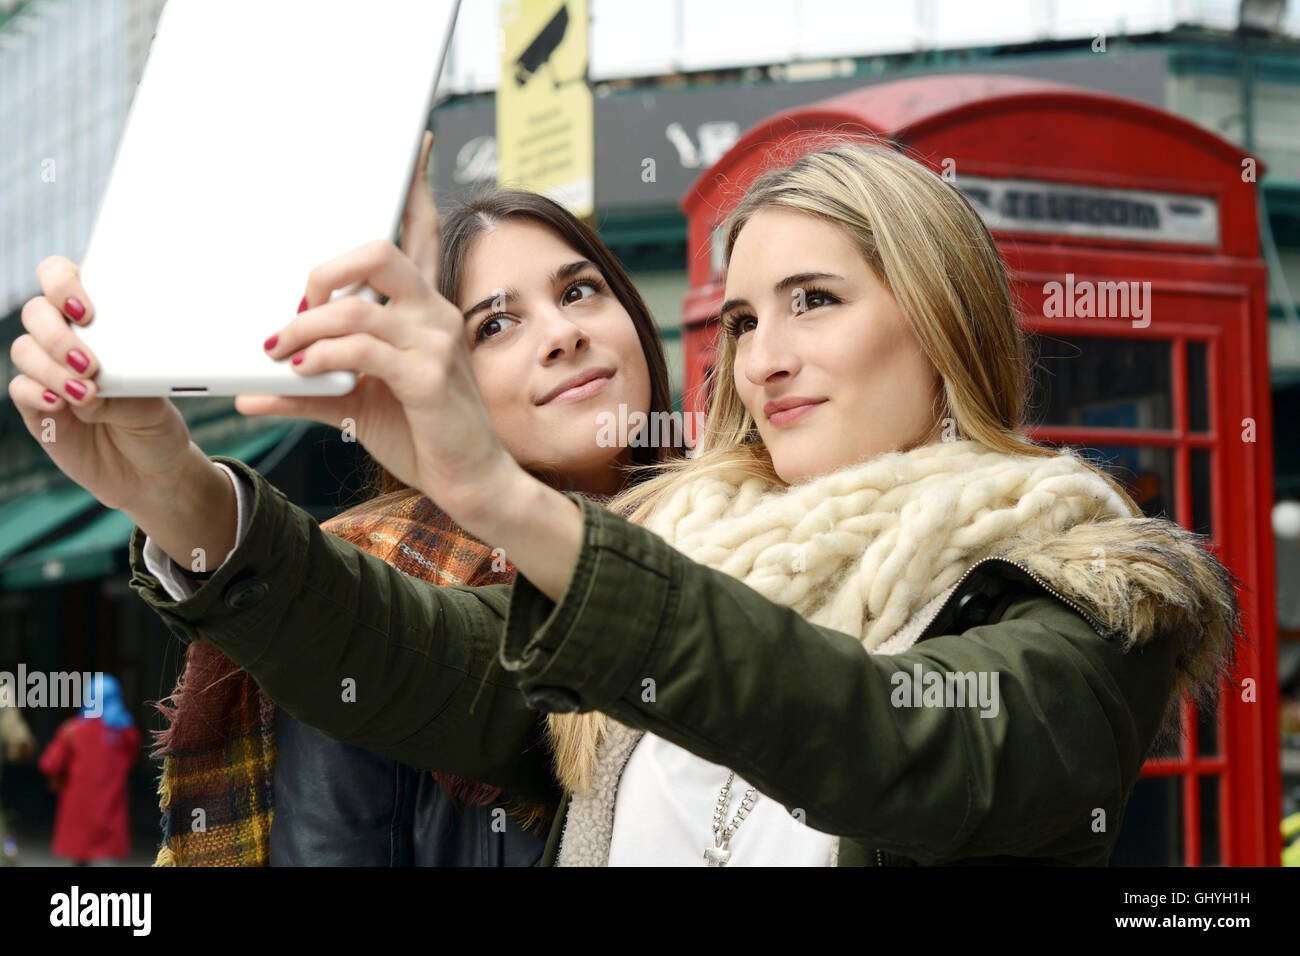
[
  {"x": 782, "y": 287},
  {"x": 510, "y": 295}
]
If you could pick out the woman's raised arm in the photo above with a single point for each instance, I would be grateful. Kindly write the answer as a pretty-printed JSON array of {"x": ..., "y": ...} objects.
[
  {"x": 371, "y": 656},
  {"x": 801, "y": 712}
]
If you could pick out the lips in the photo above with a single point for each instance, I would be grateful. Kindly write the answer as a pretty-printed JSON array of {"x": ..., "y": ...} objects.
[
  {"x": 582, "y": 378},
  {"x": 789, "y": 402}
]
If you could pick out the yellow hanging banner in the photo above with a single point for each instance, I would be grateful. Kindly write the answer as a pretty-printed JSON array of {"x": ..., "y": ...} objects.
[{"x": 544, "y": 114}]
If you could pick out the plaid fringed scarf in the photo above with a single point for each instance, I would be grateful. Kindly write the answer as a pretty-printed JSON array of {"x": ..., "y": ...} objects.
[{"x": 219, "y": 748}]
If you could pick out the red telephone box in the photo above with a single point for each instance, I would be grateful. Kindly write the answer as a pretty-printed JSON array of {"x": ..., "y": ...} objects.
[{"x": 1086, "y": 195}]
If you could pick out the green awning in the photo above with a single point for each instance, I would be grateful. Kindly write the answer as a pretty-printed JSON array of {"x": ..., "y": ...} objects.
[
  {"x": 28, "y": 518},
  {"x": 94, "y": 549}
]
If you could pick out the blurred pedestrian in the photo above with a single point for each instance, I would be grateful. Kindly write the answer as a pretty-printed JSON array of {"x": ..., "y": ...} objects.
[
  {"x": 16, "y": 743},
  {"x": 88, "y": 762}
]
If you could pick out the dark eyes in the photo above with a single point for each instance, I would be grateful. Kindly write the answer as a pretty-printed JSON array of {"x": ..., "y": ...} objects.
[
  {"x": 488, "y": 323},
  {"x": 737, "y": 325},
  {"x": 815, "y": 299},
  {"x": 591, "y": 284},
  {"x": 572, "y": 294}
]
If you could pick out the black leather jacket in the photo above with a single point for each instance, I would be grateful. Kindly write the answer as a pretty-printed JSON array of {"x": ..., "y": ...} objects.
[{"x": 340, "y": 805}]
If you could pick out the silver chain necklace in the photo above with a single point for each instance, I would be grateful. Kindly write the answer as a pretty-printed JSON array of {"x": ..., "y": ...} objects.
[{"x": 720, "y": 853}]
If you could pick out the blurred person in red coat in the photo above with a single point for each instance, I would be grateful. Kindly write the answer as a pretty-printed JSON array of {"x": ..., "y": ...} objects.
[{"x": 88, "y": 762}]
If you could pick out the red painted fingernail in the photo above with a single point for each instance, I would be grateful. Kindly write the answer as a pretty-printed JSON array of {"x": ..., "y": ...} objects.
[
  {"x": 297, "y": 359},
  {"x": 50, "y": 397},
  {"x": 77, "y": 359},
  {"x": 74, "y": 307},
  {"x": 75, "y": 389},
  {"x": 302, "y": 306},
  {"x": 270, "y": 343}
]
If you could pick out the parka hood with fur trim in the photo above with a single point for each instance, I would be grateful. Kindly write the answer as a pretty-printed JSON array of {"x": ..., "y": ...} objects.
[{"x": 1141, "y": 577}]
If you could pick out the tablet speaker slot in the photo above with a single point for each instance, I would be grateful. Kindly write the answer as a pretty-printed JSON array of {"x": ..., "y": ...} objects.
[{"x": 188, "y": 391}]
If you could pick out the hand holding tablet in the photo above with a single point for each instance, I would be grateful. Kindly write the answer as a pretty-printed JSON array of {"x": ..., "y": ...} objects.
[
  {"x": 416, "y": 409},
  {"x": 180, "y": 294}
]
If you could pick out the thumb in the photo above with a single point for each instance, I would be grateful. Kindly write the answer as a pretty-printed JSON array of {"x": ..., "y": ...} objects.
[
  {"x": 326, "y": 409},
  {"x": 420, "y": 218}
]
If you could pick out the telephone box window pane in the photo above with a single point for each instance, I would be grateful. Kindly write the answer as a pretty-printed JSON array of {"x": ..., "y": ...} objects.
[
  {"x": 1152, "y": 832},
  {"x": 1101, "y": 382},
  {"x": 1202, "y": 520},
  {"x": 1211, "y": 853},
  {"x": 1147, "y": 474},
  {"x": 1198, "y": 388},
  {"x": 1207, "y": 728}
]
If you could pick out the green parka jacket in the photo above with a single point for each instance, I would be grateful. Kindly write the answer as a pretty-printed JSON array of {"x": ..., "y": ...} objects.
[{"x": 459, "y": 679}]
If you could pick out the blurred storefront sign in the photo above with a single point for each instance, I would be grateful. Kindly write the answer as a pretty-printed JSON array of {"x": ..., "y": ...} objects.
[
  {"x": 1065, "y": 208},
  {"x": 650, "y": 144}
]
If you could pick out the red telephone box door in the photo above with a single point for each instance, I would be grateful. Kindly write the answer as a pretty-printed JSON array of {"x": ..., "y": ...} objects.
[{"x": 1131, "y": 240}]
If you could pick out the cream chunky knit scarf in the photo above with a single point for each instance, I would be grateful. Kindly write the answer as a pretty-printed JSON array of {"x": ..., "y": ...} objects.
[{"x": 871, "y": 550}]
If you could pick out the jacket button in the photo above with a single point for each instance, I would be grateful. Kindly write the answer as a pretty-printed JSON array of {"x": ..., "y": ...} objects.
[
  {"x": 554, "y": 700},
  {"x": 245, "y": 592}
]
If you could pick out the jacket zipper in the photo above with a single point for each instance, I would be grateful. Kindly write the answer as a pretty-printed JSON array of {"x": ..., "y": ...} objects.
[
  {"x": 1043, "y": 584},
  {"x": 880, "y": 859}
]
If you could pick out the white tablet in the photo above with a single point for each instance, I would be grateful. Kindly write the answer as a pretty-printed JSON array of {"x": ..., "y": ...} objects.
[{"x": 266, "y": 137}]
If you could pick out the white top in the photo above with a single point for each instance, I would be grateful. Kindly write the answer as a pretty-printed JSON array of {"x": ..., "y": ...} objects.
[{"x": 663, "y": 815}]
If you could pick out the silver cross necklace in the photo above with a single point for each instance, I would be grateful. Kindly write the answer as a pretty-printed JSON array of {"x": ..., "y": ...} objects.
[{"x": 720, "y": 852}]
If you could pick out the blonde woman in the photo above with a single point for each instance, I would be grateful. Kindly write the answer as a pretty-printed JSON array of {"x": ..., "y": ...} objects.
[{"x": 868, "y": 624}]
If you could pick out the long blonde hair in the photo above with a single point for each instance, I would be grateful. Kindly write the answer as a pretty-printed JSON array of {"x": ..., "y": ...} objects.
[{"x": 932, "y": 251}]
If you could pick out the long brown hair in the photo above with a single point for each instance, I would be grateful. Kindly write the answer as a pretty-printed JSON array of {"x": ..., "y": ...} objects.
[{"x": 496, "y": 207}]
